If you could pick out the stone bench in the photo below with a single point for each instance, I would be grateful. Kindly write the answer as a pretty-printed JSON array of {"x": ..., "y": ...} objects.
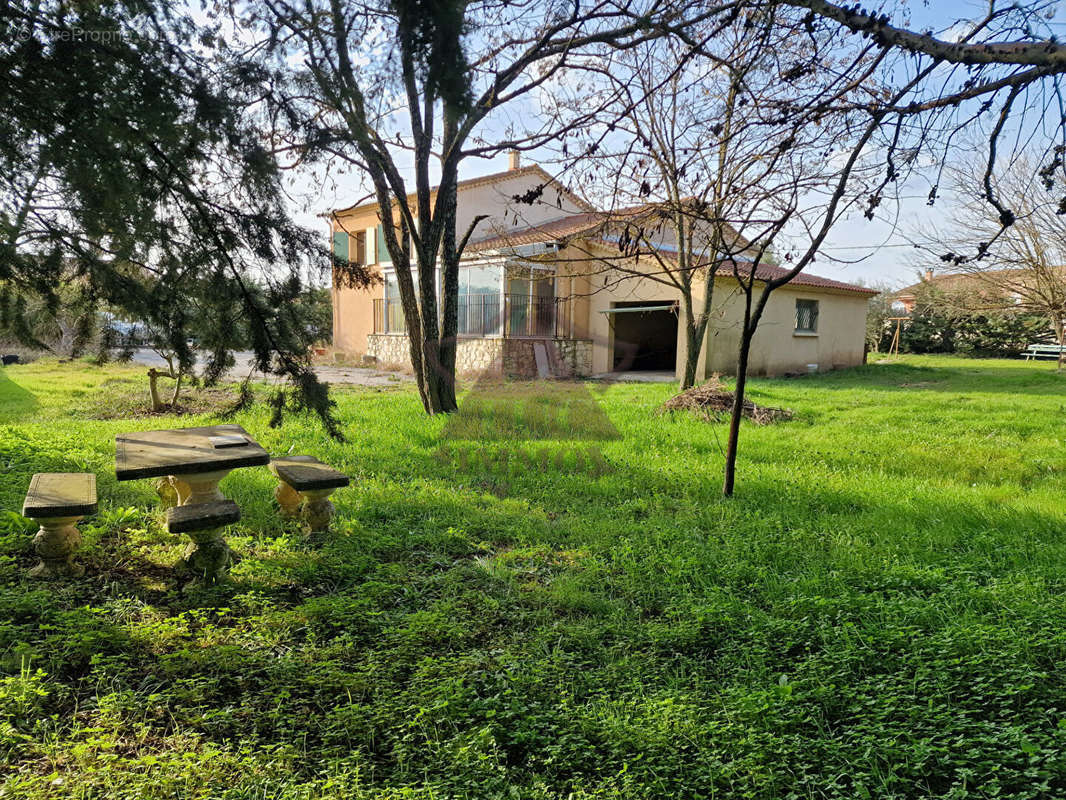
[
  {"x": 57, "y": 501},
  {"x": 208, "y": 556},
  {"x": 304, "y": 487}
]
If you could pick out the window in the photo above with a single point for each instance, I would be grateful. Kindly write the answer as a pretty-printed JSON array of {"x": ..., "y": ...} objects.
[
  {"x": 806, "y": 316},
  {"x": 479, "y": 300},
  {"x": 393, "y": 314},
  {"x": 350, "y": 246},
  {"x": 359, "y": 254}
]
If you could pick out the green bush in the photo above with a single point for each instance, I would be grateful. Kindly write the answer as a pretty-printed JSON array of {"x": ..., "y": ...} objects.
[{"x": 941, "y": 323}]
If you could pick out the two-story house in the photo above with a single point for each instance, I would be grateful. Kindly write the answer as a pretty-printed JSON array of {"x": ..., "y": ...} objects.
[{"x": 538, "y": 294}]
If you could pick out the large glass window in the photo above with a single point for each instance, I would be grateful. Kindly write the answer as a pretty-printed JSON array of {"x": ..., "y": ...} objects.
[
  {"x": 479, "y": 300},
  {"x": 393, "y": 307},
  {"x": 518, "y": 301}
]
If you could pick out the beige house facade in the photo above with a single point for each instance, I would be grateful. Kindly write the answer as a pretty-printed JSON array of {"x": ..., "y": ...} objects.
[{"x": 539, "y": 295}]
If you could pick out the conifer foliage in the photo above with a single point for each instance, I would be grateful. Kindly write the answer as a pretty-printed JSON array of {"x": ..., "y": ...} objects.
[{"x": 132, "y": 168}]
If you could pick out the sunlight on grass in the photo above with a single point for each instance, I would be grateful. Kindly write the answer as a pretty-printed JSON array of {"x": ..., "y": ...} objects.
[{"x": 878, "y": 612}]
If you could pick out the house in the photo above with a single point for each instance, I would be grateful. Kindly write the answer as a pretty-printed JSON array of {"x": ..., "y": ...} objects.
[
  {"x": 949, "y": 283},
  {"x": 987, "y": 289},
  {"x": 534, "y": 287}
]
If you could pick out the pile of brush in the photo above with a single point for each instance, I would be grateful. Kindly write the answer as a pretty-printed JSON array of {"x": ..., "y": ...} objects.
[{"x": 713, "y": 401}]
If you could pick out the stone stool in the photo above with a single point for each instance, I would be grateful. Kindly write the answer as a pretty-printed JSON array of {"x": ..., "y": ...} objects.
[
  {"x": 304, "y": 487},
  {"x": 208, "y": 556},
  {"x": 57, "y": 501}
]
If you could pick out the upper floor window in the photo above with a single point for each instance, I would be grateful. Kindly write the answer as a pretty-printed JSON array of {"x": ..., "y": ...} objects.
[
  {"x": 806, "y": 316},
  {"x": 350, "y": 246},
  {"x": 358, "y": 247}
]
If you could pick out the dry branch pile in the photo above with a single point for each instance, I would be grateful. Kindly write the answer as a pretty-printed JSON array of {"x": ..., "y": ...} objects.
[{"x": 712, "y": 400}]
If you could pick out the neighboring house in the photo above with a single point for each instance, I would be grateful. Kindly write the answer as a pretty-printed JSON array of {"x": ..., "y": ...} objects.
[
  {"x": 996, "y": 288},
  {"x": 532, "y": 279},
  {"x": 948, "y": 282}
]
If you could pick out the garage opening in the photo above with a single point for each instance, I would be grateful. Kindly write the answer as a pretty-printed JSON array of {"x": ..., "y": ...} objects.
[{"x": 645, "y": 336}]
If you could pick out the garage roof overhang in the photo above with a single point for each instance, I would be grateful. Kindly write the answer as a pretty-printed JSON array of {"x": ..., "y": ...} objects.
[{"x": 660, "y": 307}]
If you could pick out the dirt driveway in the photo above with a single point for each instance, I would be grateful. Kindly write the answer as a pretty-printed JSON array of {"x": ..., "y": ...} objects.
[{"x": 355, "y": 376}]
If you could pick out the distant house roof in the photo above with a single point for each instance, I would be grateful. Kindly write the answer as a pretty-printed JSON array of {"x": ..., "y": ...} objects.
[
  {"x": 949, "y": 281},
  {"x": 976, "y": 282},
  {"x": 484, "y": 180},
  {"x": 579, "y": 225}
]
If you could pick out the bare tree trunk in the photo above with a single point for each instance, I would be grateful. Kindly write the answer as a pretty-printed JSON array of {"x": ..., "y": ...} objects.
[
  {"x": 1060, "y": 335},
  {"x": 696, "y": 329},
  {"x": 449, "y": 333},
  {"x": 153, "y": 389},
  {"x": 736, "y": 414},
  {"x": 692, "y": 341},
  {"x": 440, "y": 388},
  {"x": 177, "y": 389}
]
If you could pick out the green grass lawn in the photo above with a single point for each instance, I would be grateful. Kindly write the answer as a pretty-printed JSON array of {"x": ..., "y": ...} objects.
[{"x": 546, "y": 597}]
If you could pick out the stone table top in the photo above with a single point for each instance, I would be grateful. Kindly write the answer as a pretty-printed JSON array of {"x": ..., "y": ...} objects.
[
  {"x": 184, "y": 451},
  {"x": 60, "y": 494}
]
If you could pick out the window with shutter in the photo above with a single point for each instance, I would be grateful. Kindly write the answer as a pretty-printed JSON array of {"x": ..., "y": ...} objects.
[{"x": 359, "y": 254}]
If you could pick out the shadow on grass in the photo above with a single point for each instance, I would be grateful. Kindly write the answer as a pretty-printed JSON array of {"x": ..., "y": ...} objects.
[
  {"x": 495, "y": 410},
  {"x": 16, "y": 403}
]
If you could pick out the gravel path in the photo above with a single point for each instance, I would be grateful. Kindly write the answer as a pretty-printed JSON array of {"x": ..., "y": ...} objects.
[{"x": 355, "y": 376}]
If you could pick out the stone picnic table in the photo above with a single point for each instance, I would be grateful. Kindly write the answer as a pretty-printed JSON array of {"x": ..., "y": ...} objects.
[{"x": 189, "y": 462}]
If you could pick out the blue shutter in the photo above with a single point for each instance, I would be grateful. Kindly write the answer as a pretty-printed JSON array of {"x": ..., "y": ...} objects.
[
  {"x": 380, "y": 249},
  {"x": 340, "y": 245}
]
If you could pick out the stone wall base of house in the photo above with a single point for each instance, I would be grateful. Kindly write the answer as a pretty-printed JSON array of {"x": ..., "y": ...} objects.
[
  {"x": 513, "y": 357},
  {"x": 566, "y": 357}
]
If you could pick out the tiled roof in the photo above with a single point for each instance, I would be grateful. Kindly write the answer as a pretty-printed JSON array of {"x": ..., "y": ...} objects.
[
  {"x": 483, "y": 180},
  {"x": 545, "y": 232},
  {"x": 970, "y": 281},
  {"x": 949, "y": 280},
  {"x": 767, "y": 272},
  {"x": 577, "y": 224}
]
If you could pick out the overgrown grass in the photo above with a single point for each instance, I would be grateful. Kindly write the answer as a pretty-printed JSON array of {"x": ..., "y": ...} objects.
[{"x": 879, "y": 611}]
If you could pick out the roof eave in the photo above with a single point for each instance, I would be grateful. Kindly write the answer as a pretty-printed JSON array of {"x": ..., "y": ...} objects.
[{"x": 472, "y": 183}]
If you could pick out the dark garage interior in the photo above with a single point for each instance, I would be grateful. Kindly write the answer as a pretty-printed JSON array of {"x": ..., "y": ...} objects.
[{"x": 645, "y": 336}]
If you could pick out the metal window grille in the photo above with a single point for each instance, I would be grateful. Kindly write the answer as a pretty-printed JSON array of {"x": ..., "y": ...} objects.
[{"x": 807, "y": 316}]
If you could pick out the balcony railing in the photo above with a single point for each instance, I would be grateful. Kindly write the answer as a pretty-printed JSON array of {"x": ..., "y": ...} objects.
[{"x": 509, "y": 315}]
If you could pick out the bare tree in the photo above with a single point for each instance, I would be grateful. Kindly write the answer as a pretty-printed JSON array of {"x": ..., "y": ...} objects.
[
  {"x": 891, "y": 99},
  {"x": 917, "y": 101},
  {"x": 386, "y": 84},
  {"x": 895, "y": 96},
  {"x": 661, "y": 160},
  {"x": 1022, "y": 269}
]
